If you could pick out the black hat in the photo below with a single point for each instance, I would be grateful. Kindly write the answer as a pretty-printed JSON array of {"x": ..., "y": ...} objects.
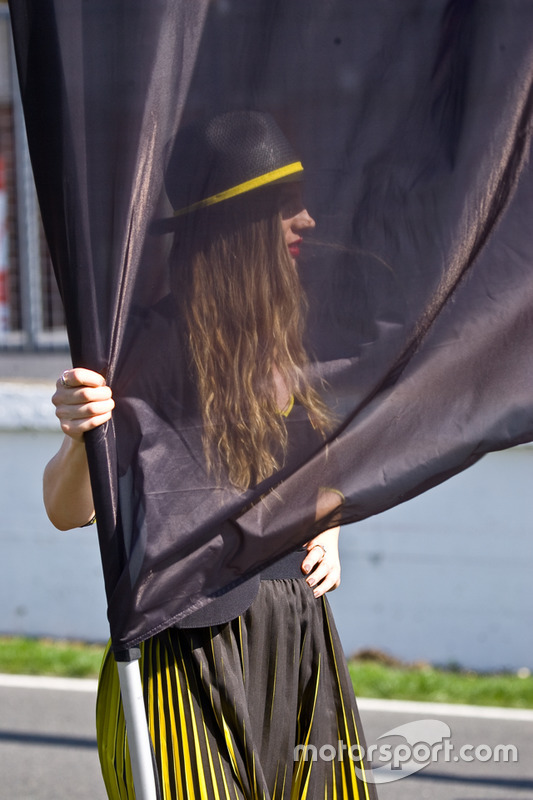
[{"x": 231, "y": 154}]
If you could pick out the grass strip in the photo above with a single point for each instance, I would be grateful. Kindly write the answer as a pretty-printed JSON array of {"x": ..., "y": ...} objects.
[
  {"x": 64, "y": 659},
  {"x": 372, "y": 673},
  {"x": 429, "y": 684}
]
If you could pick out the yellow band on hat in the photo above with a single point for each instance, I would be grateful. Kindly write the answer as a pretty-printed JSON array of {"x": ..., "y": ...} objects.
[{"x": 241, "y": 188}]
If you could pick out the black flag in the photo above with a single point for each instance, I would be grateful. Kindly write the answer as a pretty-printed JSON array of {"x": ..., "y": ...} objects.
[{"x": 413, "y": 122}]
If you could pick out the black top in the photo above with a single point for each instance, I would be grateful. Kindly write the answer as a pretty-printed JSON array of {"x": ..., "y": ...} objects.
[{"x": 236, "y": 601}]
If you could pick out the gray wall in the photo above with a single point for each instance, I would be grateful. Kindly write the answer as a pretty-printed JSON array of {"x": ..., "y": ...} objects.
[
  {"x": 51, "y": 581},
  {"x": 446, "y": 577}
]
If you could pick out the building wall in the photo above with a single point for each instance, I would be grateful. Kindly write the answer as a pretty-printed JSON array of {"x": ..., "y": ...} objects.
[
  {"x": 31, "y": 316},
  {"x": 443, "y": 578}
]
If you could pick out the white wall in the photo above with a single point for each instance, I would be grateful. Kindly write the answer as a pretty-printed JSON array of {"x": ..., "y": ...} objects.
[
  {"x": 445, "y": 577},
  {"x": 51, "y": 581},
  {"x": 448, "y": 576}
]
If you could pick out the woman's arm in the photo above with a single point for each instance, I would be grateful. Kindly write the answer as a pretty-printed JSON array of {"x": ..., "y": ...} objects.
[{"x": 83, "y": 402}]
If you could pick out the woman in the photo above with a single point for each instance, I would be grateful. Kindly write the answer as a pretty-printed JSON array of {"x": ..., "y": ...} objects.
[{"x": 239, "y": 690}]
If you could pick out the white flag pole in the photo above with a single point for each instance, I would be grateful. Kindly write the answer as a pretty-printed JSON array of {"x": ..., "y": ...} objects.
[{"x": 142, "y": 764}]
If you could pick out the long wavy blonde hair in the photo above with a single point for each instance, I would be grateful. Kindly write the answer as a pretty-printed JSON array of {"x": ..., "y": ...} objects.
[{"x": 244, "y": 309}]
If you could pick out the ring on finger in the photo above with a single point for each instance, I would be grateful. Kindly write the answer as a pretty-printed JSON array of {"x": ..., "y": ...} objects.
[
  {"x": 322, "y": 548},
  {"x": 63, "y": 380}
]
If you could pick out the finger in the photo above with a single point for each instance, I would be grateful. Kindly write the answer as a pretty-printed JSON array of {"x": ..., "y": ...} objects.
[
  {"x": 78, "y": 376},
  {"x": 314, "y": 556},
  {"x": 330, "y": 582},
  {"x": 70, "y": 396},
  {"x": 324, "y": 573},
  {"x": 82, "y": 411},
  {"x": 318, "y": 574},
  {"x": 75, "y": 428},
  {"x": 80, "y": 386},
  {"x": 326, "y": 576}
]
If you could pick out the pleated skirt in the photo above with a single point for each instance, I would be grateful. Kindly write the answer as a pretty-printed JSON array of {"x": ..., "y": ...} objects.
[{"x": 261, "y": 708}]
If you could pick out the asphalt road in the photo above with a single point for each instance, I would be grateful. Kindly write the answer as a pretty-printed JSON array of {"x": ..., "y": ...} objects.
[
  {"x": 47, "y": 742},
  {"x": 450, "y": 776},
  {"x": 48, "y": 748}
]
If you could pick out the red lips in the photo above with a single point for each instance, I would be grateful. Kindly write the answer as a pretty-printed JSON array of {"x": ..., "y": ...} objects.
[{"x": 294, "y": 248}]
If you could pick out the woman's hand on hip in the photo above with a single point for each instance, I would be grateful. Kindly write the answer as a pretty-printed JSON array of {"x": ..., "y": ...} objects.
[
  {"x": 322, "y": 564},
  {"x": 82, "y": 401}
]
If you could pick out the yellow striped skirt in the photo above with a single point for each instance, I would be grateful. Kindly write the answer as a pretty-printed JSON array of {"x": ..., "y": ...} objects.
[{"x": 261, "y": 708}]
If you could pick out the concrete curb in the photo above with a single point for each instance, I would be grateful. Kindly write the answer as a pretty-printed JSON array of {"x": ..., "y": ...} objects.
[
  {"x": 47, "y": 682},
  {"x": 364, "y": 703},
  {"x": 444, "y": 709}
]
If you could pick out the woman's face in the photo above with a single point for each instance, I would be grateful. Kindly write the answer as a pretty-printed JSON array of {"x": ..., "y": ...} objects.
[{"x": 294, "y": 217}]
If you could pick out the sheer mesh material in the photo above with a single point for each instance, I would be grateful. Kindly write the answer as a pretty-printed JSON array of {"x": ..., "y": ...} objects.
[{"x": 413, "y": 123}]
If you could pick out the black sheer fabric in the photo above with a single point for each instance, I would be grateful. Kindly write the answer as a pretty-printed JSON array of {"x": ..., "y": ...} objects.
[{"x": 413, "y": 123}]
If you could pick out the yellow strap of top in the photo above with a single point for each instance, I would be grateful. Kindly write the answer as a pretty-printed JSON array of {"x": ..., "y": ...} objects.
[{"x": 288, "y": 408}]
